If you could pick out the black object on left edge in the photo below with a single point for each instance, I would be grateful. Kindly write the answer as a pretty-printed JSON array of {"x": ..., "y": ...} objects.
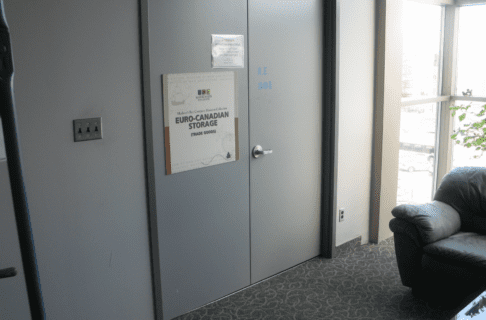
[{"x": 19, "y": 197}]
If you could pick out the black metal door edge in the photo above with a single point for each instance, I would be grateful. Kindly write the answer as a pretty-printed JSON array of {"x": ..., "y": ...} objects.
[
  {"x": 149, "y": 159},
  {"x": 329, "y": 172}
]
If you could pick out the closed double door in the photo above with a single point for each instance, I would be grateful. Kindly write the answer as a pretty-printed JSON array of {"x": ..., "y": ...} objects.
[{"x": 224, "y": 227}]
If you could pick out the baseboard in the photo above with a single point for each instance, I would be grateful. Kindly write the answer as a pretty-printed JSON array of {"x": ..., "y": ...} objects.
[{"x": 348, "y": 246}]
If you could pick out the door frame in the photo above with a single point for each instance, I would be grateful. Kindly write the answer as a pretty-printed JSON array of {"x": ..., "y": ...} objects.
[
  {"x": 330, "y": 67},
  {"x": 329, "y": 137}
]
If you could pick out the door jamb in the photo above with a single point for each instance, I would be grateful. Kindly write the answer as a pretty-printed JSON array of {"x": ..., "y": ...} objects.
[
  {"x": 149, "y": 159},
  {"x": 329, "y": 128}
]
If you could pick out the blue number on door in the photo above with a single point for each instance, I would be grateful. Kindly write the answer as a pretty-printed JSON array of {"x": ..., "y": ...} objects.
[
  {"x": 265, "y": 85},
  {"x": 260, "y": 71}
]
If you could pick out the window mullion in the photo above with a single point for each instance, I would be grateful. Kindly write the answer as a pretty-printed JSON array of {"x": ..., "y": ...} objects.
[
  {"x": 440, "y": 90},
  {"x": 426, "y": 100},
  {"x": 444, "y": 155},
  {"x": 465, "y": 98},
  {"x": 468, "y": 2}
]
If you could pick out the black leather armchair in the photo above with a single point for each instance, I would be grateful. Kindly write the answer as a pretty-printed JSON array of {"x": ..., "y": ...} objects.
[{"x": 441, "y": 246}]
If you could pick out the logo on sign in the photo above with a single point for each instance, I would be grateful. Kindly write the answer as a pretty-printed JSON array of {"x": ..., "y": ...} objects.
[{"x": 203, "y": 94}]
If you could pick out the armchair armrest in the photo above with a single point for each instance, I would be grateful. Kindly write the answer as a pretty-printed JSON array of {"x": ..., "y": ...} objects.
[
  {"x": 405, "y": 228},
  {"x": 433, "y": 221},
  {"x": 416, "y": 226},
  {"x": 408, "y": 249}
]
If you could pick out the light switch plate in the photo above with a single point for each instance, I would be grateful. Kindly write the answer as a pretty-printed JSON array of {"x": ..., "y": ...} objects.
[{"x": 87, "y": 129}]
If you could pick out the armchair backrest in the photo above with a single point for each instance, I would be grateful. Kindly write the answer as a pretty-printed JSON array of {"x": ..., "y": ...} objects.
[{"x": 464, "y": 189}]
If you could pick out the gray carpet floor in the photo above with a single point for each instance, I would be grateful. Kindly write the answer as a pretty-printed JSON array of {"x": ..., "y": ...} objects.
[{"x": 362, "y": 282}]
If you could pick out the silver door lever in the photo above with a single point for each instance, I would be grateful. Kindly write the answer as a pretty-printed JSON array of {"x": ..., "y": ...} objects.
[{"x": 258, "y": 151}]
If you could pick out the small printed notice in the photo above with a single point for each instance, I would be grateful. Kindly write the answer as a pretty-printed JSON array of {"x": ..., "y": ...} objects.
[
  {"x": 228, "y": 51},
  {"x": 200, "y": 120}
]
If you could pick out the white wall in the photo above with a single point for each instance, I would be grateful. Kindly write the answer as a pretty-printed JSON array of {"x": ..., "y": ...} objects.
[
  {"x": 356, "y": 34},
  {"x": 388, "y": 101},
  {"x": 87, "y": 200}
]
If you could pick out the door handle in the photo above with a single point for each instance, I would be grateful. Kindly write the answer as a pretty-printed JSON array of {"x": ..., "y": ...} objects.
[
  {"x": 258, "y": 151},
  {"x": 8, "y": 272}
]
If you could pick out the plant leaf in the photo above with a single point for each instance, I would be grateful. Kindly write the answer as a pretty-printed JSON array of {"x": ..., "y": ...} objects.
[
  {"x": 462, "y": 117},
  {"x": 481, "y": 140},
  {"x": 481, "y": 124}
]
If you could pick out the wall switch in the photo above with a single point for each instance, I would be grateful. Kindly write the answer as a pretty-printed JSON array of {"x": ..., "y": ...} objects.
[
  {"x": 341, "y": 214},
  {"x": 87, "y": 129}
]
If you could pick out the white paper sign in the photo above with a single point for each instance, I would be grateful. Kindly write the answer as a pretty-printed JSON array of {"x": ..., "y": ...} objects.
[
  {"x": 228, "y": 51},
  {"x": 200, "y": 119}
]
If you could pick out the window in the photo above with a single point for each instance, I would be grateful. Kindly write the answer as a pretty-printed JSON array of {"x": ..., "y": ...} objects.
[
  {"x": 471, "y": 47},
  {"x": 463, "y": 156},
  {"x": 429, "y": 88},
  {"x": 422, "y": 27},
  {"x": 471, "y": 75},
  {"x": 421, "y": 50},
  {"x": 417, "y": 153},
  {"x": 426, "y": 34}
]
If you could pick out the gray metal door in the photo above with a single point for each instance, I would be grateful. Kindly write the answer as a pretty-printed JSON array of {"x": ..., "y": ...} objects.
[
  {"x": 285, "y": 84},
  {"x": 203, "y": 214},
  {"x": 215, "y": 223}
]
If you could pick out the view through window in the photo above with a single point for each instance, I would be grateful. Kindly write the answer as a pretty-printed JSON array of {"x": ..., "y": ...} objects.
[
  {"x": 461, "y": 155},
  {"x": 422, "y": 34},
  {"x": 471, "y": 75}
]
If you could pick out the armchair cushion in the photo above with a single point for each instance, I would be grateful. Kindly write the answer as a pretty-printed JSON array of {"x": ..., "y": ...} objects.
[
  {"x": 466, "y": 249},
  {"x": 464, "y": 189},
  {"x": 433, "y": 221}
]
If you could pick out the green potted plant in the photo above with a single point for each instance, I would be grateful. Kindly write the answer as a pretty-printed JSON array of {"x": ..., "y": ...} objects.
[{"x": 474, "y": 132}]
